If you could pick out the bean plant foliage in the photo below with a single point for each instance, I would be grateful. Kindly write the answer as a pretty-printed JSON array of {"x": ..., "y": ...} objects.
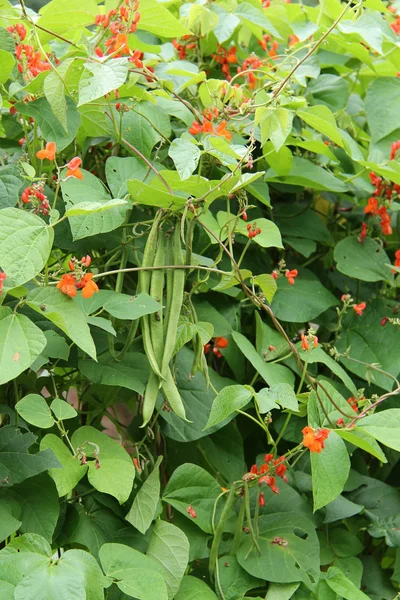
[{"x": 199, "y": 330}]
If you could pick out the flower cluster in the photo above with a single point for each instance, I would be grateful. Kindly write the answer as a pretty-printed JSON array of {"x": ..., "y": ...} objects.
[
  {"x": 314, "y": 439},
  {"x": 226, "y": 58},
  {"x": 49, "y": 152},
  {"x": 348, "y": 302},
  {"x": 208, "y": 127},
  {"x": 119, "y": 23},
  {"x": 250, "y": 64},
  {"x": 29, "y": 61},
  {"x": 309, "y": 339},
  {"x": 34, "y": 195},
  {"x": 268, "y": 471},
  {"x": 216, "y": 344},
  {"x": 3, "y": 277},
  {"x": 253, "y": 230},
  {"x": 290, "y": 274},
  {"x": 382, "y": 196},
  {"x": 78, "y": 279},
  {"x": 396, "y": 260},
  {"x": 189, "y": 43}
]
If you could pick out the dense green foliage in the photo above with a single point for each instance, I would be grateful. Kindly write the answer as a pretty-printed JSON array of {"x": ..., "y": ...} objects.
[{"x": 199, "y": 340}]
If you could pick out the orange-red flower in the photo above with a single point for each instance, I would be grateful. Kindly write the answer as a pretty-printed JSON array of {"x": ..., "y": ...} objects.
[
  {"x": 314, "y": 439},
  {"x": 67, "y": 285},
  {"x": 385, "y": 221},
  {"x": 222, "y": 131},
  {"x": 88, "y": 286},
  {"x": 73, "y": 169},
  {"x": 221, "y": 342},
  {"x": 359, "y": 308},
  {"x": 49, "y": 152},
  {"x": 372, "y": 206},
  {"x": 291, "y": 275},
  {"x": 353, "y": 403}
]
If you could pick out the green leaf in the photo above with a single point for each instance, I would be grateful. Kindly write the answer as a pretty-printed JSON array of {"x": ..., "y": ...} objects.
[
  {"x": 383, "y": 426},
  {"x": 7, "y": 63},
  {"x": 100, "y": 78},
  {"x": 329, "y": 470},
  {"x": 123, "y": 306},
  {"x": 319, "y": 356},
  {"x": 341, "y": 585},
  {"x": 137, "y": 575},
  {"x": 363, "y": 440},
  {"x": 193, "y": 588},
  {"x": 21, "y": 342},
  {"x": 280, "y": 543},
  {"x": 272, "y": 374},
  {"x": 7, "y": 590},
  {"x": 131, "y": 373},
  {"x": 50, "y": 127},
  {"x": 190, "y": 485},
  {"x": 65, "y": 313},
  {"x": 307, "y": 174},
  {"x": 119, "y": 170},
  {"x": 281, "y": 393},
  {"x": 367, "y": 28},
  {"x": 330, "y": 90},
  {"x": 185, "y": 155},
  {"x": 228, "y": 401},
  {"x": 267, "y": 285},
  {"x": 34, "y": 409},
  {"x": 387, "y": 528},
  {"x": 116, "y": 472},
  {"x": 341, "y": 508},
  {"x": 66, "y": 17},
  {"x": 381, "y": 101},
  {"x": 10, "y": 184},
  {"x": 87, "y": 208},
  {"x": 76, "y": 576},
  {"x": 303, "y": 301},
  {"x": 234, "y": 580},
  {"x": 62, "y": 409},
  {"x": 254, "y": 18},
  {"x": 91, "y": 190},
  {"x": 275, "y": 124},
  {"x": 25, "y": 244},
  {"x": 71, "y": 472},
  {"x": 16, "y": 463},
  {"x": 281, "y": 591},
  {"x": 6, "y": 39},
  {"x": 270, "y": 236},
  {"x": 169, "y": 547},
  {"x": 35, "y": 503},
  {"x": 367, "y": 261},
  {"x": 322, "y": 119},
  {"x": 144, "y": 507},
  {"x": 151, "y": 196},
  {"x": 54, "y": 88},
  {"x": 157, "y": 19}
]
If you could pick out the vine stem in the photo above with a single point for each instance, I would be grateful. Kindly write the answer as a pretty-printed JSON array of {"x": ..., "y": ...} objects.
[{"x": 284, "y": 83}]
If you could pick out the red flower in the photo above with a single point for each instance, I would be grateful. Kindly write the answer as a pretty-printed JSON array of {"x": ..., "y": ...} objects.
[
  {"x": 222, "y": 131},
  {"x": 291, "y": 275},
  {"x": 359, "y": 308},
  {"x": 3, "y": 277},
  {"x": 340, "y": 422},
  {"x": 385, "y": 221},
  {"x": 353, "y": 403},
  {"x": 195, "y": 128},
  {"x": 314, "y": 439},
  {"x": 190, "y": 510},
  {"x": 73, "y": 169},
  {"x": 304, "y": 342},
  {"x": 372, "y": 206},
  {"x": 67, "y": 285},
  {"x": 254, "y": 470},
  {"x": 268, "y": 458},
  {"x": 49, "y": 152},
  {"x": 261, "y": 499},
  {"x": 221, "y": 342},
  {"x": 363, "y": 233},
  {"x": 88, "y": 286}
]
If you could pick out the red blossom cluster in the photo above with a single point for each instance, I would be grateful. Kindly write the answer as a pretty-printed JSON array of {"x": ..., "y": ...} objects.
[
  {"x": 188, "y": 42},
  {"x": 216, "y": 343},
  {"x": 253, "y": 230},
  {"x": 226, "y": 58},
  {"x": 314, "y": 439},
  {"x": 29, "y": 61},
  {"x": 268, "y": 471},
  {"x": 34, "y": 195},
  {"x": 119, "y": 23},
  {"x": 290, "y": 275},
  {"x": 353, "y": 403},
  {"x": 397, "y": 259},
  {"x": 395, "y": 25},
  {"x": 250, "y": 64},
  {"x": 382, "y": 194},
  {"x": 264, "y": 45},
  {"x": 3, "y": 277},
  {"x": 308, "y": 339},
  {"x": 208, "y": 127},
  {"x": 78, "y": 279}
]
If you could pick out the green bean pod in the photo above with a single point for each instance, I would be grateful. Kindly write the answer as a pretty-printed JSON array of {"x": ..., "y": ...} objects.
[
  {"x": 169, "y": 276},
  {"x": 144, "y": 286},
  {"x": 173, "y": 396},
  {"x": 150, "y": 397},
  {"x": 197, "y": 355},
  {"x": 176, "y": 303}
]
